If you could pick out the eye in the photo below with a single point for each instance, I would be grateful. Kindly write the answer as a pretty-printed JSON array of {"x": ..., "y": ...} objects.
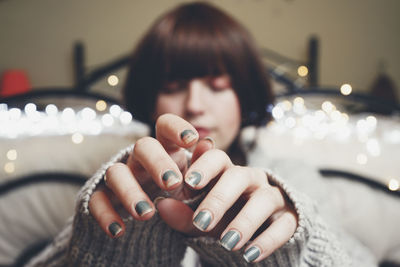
[
  {"x": 221, "y": 83},
  {"x": 173, "y": 87}
]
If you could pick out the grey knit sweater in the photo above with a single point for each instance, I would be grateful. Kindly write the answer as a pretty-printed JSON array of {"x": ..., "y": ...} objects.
[{"x": 153, "y": 243}]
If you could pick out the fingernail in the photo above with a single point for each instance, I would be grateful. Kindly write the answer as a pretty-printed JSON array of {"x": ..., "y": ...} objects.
[
  {"x": 230, "y": 239},
  {"x": 193, "y": 179},
  {"x": 156, "y": 200},
  {"x": 251, "y": 254},
  {"x": 170, "y": 178},
  {"x": 202, "y": 220},
  {"x": 114, "y": 228},
  {"x": 143, "y": 207},
  {"x": 188, "y": 136},
  {"x": 208, "y": 138}
]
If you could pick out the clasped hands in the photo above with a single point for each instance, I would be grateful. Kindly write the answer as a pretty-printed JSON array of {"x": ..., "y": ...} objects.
[{"x": 240, "y": 203}]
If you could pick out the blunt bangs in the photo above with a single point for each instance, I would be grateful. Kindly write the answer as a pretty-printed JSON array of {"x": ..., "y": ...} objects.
[
  {"x": 193, "y": 41},
  {"x": 193, "y": 56},
  {"x": 192, "y": 49}
]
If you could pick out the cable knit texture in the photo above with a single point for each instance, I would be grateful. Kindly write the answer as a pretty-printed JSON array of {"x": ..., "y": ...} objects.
[{"x": 153, "y": 243}]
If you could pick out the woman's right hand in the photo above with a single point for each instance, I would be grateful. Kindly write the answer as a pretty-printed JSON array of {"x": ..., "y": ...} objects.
[{"x": 155, "y": 165}]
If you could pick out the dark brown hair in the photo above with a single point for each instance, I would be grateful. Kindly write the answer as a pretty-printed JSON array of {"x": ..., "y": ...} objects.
[{"x": 191, "y": 41}]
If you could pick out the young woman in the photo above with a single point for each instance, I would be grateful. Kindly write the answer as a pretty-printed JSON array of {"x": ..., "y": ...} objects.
[{"x": 197, "y": 79}]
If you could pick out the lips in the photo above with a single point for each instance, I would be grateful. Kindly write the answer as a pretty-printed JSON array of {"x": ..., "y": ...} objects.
[{"x": 203, "y": 132}]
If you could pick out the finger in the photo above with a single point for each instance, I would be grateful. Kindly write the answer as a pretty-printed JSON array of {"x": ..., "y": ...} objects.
[
  {"x": 208, "y": 166},
  {"x": 260, "y": 206},
  {"x": 274, "y": 237},
  {"x": 102, "y": 210},
  {"x": 202, "y": 146},
  {"x": 235, "y": 182},
  {"x": 222, "y": 196},
  {"x": 124, "y": 185},
  {"x": 174, "y": 132},
  {"x": 156, "y": 161},
  {"x": 179, "y": 157},
  {"x": 177, "y": 215},
  {"x": 184, "y": 163}
]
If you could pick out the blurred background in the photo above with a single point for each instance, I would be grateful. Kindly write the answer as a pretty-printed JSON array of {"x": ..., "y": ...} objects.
[
  {"x": 335, "y": 67},
  {"x": 358, "y": 39}
]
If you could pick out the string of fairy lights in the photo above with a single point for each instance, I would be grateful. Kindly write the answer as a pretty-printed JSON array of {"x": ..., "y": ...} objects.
[
  {"x": 51, "y": 121},
  {"x": 330, "y": 124},
  {"x": 290, "y": 116},
  {"x": 29, "y": 122}
]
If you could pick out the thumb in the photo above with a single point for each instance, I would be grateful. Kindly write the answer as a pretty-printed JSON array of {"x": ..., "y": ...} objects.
[{"x": 177, "y": 215}]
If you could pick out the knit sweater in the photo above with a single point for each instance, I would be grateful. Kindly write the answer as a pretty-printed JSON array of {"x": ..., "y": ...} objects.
[{"x": 154, "y": 243}]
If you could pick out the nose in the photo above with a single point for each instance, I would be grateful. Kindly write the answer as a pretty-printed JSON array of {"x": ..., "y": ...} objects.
[{"x": 195, "y": 98}]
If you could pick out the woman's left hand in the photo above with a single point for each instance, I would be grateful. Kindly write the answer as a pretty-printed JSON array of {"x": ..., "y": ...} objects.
[{"x": 241, "y": 204}]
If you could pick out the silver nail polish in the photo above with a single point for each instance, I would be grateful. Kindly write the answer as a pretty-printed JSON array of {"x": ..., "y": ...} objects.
[
  {"x": 230, "y": 239},
  {"x": 210, "y": 140},
  {"x": 193, "y": 179},
  {"x": 115, "y": 228},
  {"x": 143, "y": 207},
  {"x": 202, "y": 220},
  {"x": 158, "y": 199},
  {"x": 251, "y": 254},
  {"x": 170, "y": 178},
  {"x": 188, "y": 136}
]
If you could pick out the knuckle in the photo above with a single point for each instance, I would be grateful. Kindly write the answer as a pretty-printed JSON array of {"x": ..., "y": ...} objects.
[
  {"x": 237, "y": 168},
  {"x": 163, "y": 118},
  {"x": 221, "y": 154},
  {"x": 271, "y": 240},
  {"x": 236, "y": 171},
  {"x": 245, "y": 222},
  {"x": 289, "y": 220},
  {"x": 142, "y": 142},
  {"x": 261, "y": 176},
  {"x": 113, "y": 169},
  {"x": 275, "y": 197},
  {"x": 217, "y": 200},
  {"x": 166, "y": 120},
  {"x": 258, "y": 178},
  {"x": 262, "y": 195},
  {"x": 240, "y": 175},
  {"x": 127, "y": 194},
  {"x": 219, "y": 151},
  {"x": 143, "y": 146}
]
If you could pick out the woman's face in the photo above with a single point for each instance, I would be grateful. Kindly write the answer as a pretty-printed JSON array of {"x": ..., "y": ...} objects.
[{"x": 209, "y": 104}]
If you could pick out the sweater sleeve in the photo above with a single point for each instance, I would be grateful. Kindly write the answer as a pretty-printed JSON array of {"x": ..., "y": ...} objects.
[
  {"x": 153, "y": 243},
  {"x": 83, "y": 242},
  {"x": 313, "y": 243}
]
